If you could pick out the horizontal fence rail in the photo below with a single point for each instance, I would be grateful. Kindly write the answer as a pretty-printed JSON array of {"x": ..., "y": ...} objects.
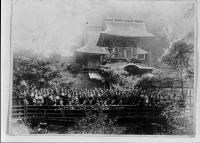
[
  {"x": 76, "y": 112},
  {"x": 18, "y": 111}
]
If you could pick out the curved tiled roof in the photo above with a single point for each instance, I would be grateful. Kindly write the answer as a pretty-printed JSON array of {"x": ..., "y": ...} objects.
[
  {"x": 92, "y": 50},
  {"x": 90, "y": 45},
  {"x": 138, "y": 65},
  {"x": 126, "y": 29}
]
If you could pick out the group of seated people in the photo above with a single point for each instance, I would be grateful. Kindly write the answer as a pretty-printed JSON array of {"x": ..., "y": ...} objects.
[{"x": 100, "y": 97}]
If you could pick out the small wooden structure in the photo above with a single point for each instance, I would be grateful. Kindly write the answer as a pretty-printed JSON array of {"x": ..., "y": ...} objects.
[
  {"x": 137, "y": 68},
  {"x": 90, "y": 55}
]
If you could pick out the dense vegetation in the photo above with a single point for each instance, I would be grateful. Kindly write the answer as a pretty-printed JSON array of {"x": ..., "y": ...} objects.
[{"x": 95, "y": 123}]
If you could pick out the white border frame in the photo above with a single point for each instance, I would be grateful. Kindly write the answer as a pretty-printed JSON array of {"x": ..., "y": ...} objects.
[{"x": 5, "y": 86}]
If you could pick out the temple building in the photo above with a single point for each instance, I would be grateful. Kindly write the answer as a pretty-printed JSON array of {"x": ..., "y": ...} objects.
[
  {"x": 124, "y": 37},
  {"x": 118, "y": 39},
  {"x": 90, "y": 55},
  {"x": 116, "y": 43}
]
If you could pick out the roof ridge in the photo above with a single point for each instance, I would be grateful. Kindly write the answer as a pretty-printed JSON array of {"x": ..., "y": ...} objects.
[{"x": 116, "y": 20}]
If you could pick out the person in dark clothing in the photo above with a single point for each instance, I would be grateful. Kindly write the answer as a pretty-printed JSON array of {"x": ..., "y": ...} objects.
[
  {"x": 137, "y": 96},
  {"x": 142, "y": 100}
]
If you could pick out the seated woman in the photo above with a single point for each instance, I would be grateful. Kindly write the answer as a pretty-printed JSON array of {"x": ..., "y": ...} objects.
[{"x": 142, "y": 100}]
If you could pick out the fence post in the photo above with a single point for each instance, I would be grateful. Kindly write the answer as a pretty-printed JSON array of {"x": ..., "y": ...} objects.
[
  {"x": 44, "y": 112},
  {"x": 63, "y": 112},
  {"x": 25, "y": 109}
]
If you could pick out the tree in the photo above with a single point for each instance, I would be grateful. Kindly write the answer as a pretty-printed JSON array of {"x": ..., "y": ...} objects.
[
  {"x": 95, "y": 123},
  {"x": 109, "y": 47},
  {"x": 33, "y": 71},
  {"x": 178, "y": 57}
]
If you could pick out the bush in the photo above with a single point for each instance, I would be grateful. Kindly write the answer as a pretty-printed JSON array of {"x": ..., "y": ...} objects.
[
  {"x": 74, "y": 68},
  {"x": 179, "y": 122},
  {"x": 19, "y": 127},
  {"x": 98, "y": 123}
]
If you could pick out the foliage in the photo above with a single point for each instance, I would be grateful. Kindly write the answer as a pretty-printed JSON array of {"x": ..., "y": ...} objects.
[
  {"x": 178, "y": 56},
  {"x": 23, "y": 127},
  {"x": 109, "y": 46},
  {"x": 74, "y": 68},
  {"x": 95, "y": 123},
  {"x": 110, "y": 75},
  {"x": 119, "y": 78},
  {"x": 36, "y": 71},
  {"x": 19, "y": 128},
  {"x": 145, "y": 81},
  {"x": 178, "y": 121}
]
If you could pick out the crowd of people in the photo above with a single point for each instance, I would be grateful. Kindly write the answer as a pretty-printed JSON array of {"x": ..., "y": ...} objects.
[{"x": 100, "y": 97}]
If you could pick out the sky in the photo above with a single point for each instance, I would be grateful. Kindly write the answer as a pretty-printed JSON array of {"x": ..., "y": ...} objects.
[{"x": 57, "y": 26}]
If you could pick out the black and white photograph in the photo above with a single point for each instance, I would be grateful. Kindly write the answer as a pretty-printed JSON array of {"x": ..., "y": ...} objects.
[{"x": 103, "y": 67}]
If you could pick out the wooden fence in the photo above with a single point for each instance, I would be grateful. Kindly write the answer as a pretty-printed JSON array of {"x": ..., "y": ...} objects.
[
  {"x": 74, "y": 113},
  {"x": 18, "y": 111}
]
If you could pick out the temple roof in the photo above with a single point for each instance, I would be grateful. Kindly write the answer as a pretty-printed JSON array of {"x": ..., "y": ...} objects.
[
  {"x": 138, "y": 65},
  {"x": 88, "y": 49},
  {"x": 90, "y": 43},
  {"x": 126, "y": 29}
]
